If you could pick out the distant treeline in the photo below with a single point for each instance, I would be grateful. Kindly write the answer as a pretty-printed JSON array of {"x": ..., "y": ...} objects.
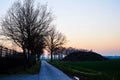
[{"x": 113, "y": 57}]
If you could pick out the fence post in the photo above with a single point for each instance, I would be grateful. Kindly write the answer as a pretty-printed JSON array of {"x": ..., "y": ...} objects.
[{"x": 1, "y": 51}]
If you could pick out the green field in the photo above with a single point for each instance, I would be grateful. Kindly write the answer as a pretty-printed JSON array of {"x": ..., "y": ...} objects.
[{"x": 91, "y": 70}]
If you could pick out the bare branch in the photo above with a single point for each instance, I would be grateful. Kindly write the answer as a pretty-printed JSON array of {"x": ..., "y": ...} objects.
[
  {"x": 54, "y": 40},
  {"x": 26, "y": 24}
]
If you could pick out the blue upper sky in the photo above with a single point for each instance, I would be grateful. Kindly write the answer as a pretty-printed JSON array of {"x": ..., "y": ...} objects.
[{"x": 89, "y": 24}]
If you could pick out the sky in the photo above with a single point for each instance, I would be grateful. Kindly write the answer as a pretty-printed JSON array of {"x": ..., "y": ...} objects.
[{"x": 87, "y": 24}]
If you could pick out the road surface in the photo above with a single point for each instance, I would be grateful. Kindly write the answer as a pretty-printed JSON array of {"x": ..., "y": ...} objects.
[
  {"x": 20, "y": 77},
  {"x": 49, "y": 72}
]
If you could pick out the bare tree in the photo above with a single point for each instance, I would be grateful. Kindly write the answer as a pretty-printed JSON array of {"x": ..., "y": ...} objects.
[
  {"x": 26, "y": 23},
  {"x": 60, "y": 52},
  {"x": 54, "y": 40}
]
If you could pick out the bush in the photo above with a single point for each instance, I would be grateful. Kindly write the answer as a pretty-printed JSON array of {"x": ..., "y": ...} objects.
[{"x": 84, "y": 56}]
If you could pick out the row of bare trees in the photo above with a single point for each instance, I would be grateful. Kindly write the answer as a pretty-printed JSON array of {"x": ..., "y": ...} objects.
[{"x": 31, "y": 28}]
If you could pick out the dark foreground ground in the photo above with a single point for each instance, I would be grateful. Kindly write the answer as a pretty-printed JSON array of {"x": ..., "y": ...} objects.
[{"x": 47, "y": 72}]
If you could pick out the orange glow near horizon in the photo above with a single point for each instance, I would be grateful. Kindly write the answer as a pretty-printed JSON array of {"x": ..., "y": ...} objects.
[{"x": 95, "y": 43}]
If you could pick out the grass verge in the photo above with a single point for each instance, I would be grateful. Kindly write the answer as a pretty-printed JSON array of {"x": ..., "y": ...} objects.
[
  {"x": 31, "y": 70},
  {"x": 34, "y": 69}
]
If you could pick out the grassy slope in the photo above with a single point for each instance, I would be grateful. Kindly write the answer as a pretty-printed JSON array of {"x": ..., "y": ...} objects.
[{"x": 96, "y": 70}]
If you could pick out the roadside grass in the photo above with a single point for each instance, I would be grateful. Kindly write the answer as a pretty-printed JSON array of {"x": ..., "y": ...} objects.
[
  {"x": 34, "y": 69},
  {"x": 91, "y": 70},
  {"x": 31, "y": 70},
  {"x": 20, "y": 71}
]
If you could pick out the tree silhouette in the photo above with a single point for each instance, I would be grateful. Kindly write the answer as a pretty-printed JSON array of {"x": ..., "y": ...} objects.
[
  {"x": 25, "y": 23},
  {"x": 54, "y": 40}
]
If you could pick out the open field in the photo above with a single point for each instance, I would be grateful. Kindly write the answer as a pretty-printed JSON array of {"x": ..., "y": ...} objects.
[{"x": 91, "y": 70}]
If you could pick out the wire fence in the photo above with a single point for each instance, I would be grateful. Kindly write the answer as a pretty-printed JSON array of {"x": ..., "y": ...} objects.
[{"x": 5, "y": 52}]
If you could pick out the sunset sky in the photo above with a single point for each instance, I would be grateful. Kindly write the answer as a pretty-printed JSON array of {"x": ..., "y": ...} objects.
[{"x": 87, "y": 24}]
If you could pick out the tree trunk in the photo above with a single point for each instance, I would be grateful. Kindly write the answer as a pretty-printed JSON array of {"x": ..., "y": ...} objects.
[
  {"x": 25, "y": 58},
  {"x": 38, "y": 56},
  {"x": 51, "y": 56}
]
